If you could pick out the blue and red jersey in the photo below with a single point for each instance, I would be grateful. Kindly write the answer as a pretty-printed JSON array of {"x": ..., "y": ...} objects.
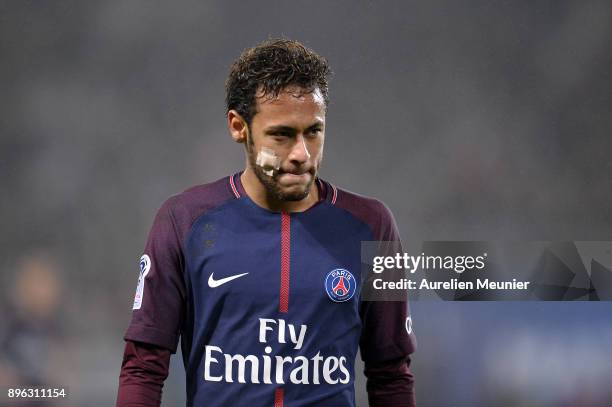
[{"x": 266, "y": 305}]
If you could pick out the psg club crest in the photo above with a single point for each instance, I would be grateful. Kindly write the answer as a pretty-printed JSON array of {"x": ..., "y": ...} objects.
[{"x": 340, "y": 285}]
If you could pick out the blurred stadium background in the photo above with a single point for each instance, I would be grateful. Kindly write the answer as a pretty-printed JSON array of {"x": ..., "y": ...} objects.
[{"x": 472, "y": 120}]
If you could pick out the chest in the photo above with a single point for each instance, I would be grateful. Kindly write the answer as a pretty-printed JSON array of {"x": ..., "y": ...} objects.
[{"x": 263, "y": 261}]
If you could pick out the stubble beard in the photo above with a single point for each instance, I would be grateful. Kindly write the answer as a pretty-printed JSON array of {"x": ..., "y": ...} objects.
[{"x": 271, "y": 183}]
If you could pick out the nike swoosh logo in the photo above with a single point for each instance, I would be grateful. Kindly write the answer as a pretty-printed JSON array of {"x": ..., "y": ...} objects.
[{"x": 212, "y": 283}]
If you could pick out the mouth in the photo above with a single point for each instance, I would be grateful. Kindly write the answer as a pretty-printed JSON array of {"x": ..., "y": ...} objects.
[{"x": 295, "y": 177}]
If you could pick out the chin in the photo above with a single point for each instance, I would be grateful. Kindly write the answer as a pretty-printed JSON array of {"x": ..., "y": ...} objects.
[
  {"x": 295, "y": 194},
  {"x": 292, "y": 192}
]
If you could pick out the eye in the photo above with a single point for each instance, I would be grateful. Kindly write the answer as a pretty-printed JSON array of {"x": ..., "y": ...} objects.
[
  {"x": 281, "y": 134},
  {"x": 315, "y": 132}
]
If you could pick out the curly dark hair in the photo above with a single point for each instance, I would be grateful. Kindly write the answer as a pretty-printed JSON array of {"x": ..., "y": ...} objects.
[{"x": 270, "y": 67}]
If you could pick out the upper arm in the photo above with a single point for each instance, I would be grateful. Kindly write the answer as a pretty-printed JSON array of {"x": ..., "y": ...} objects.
[
  {"x": 387, "y": 331},
  {"x": 159, "y": 305}
]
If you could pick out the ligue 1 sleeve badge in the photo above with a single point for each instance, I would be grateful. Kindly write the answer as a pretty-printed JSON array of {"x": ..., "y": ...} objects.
[
  {"x": 340, "y": 285},
  {"x": 145, "y": 266}
]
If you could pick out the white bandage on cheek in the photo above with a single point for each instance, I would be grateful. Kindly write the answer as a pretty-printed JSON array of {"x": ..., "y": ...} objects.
[{"x": 268, "y": 161}]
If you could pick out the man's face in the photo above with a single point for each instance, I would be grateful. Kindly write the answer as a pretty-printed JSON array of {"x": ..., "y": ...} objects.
[{"x": 293, "y": 126}]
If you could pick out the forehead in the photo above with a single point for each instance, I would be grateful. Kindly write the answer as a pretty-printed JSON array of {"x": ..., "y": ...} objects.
[{"x": 293, "y": 105}]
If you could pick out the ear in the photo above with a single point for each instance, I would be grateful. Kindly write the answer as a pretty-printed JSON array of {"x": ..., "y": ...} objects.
[{"x": 237, "y": 126}]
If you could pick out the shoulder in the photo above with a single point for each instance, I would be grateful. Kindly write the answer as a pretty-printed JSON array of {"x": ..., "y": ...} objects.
[
  {"x": 370, "y": 211},
  {"x": 184, "y": 208},
  {"x": 205, "y": 196}
]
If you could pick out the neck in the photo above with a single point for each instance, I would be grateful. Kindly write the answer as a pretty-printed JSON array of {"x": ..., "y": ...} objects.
[{"x": 258, "y": 194}]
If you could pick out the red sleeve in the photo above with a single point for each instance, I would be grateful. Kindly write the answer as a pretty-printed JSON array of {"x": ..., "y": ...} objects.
[
  {"x": 387, "y": 338},
  {"x": 143, "y": 371},
  {"x": 159, "y": 304},
  {"x": 390, "y": 384},
  {"x": 386, "y": 325}
]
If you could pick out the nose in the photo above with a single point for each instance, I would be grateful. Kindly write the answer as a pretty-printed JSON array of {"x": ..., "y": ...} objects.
[{"x": 299, "y": 150}]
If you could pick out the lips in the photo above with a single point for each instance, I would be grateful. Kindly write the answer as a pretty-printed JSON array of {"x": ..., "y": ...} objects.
[
  {"x": 291, "y": 177},
  {"x": 295, "y": 175}
]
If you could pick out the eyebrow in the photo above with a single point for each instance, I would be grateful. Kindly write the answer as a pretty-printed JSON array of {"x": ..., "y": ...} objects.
[{"x": 290, "y": 129}]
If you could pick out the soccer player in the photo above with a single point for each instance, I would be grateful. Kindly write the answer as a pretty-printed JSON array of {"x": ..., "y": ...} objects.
[{"x": 258, "y": 273}]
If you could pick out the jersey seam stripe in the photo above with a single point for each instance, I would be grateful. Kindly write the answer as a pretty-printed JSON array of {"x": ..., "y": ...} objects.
[
  {"x": 285, "y": 262},
  {"x": 278, "y": 397}
]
